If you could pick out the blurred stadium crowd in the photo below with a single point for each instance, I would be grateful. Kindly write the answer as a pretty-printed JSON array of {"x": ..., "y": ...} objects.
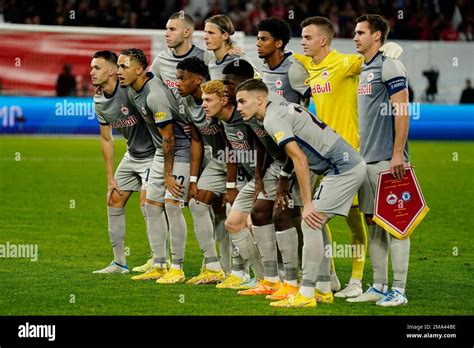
[{"x": 449, "y": 20}]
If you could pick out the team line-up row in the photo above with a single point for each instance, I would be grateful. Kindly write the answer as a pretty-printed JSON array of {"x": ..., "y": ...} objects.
[{"x": 240, "y": 147}]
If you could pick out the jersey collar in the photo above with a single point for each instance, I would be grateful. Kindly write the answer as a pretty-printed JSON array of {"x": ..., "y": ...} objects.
[
  {"x": 150, "y": 75},
  {"x": 184, "y": 55}
]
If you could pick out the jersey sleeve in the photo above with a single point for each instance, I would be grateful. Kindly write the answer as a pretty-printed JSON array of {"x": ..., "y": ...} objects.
[
  {"x": 100, "y": 117},
  {"x": 154, "y": 67},
  {"x": 394, "y": 75},
  {"x": 297, "y": 75},
  {"x": 353, "y": 63},
  {"x": 160, "y": 107},
  {"x": 302, "y": 59},
  {"x": 279, "y": 128}
]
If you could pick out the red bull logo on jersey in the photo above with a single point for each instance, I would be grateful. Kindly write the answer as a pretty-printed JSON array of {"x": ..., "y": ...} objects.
[
  {"x": 209, "y": 130},
  {"x": 321, "y": 89},
  {"x": 239, "y": 145},
  {"x": 280, "y": 92},
  {"x": 125, "y": 122},
  {"x": 170, "y": 84},
  {"x": 261, "y": 133},
  {"x": 364, "y": 90}
]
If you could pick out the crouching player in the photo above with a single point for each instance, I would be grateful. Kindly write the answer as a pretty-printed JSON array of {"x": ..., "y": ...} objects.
[
  {"x": 311, "y": 145},
  {"x": 114, "y": 110}
]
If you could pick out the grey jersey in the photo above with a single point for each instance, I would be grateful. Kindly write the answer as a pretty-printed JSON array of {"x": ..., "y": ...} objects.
[
  {"x": 379, "y": 79},
  {"x": 287, "y": 79},
  {"x": 158, "y": 107},
  {"x": 209, "y": 127},
  {"x": 117, "y": 111},
  {"x": 241, "y": 139},
  {"x": 267, "y": 141},
  {"x": 165, "y": 64},
  {"x": 216, "y": 68},
  {"x": 326, "y": 151}
]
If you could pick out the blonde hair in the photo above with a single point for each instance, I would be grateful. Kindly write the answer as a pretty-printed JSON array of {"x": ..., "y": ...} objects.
[
  {"x": 224, "y": 24},
  {"x": 213, "y": 87}
]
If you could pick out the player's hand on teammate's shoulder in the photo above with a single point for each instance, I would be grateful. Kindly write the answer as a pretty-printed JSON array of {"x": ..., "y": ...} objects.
[{"x": 236, "y": 51}]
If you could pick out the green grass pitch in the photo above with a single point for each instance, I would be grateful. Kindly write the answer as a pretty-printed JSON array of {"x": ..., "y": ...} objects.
[{"x": 52, "y": 193}]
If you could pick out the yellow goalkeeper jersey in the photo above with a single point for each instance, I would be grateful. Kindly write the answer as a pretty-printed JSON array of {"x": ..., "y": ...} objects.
[{"x": 333, "y": 84}]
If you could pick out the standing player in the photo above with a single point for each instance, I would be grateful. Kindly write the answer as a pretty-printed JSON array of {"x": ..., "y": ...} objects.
[
  {"x": 218, "y": 30},
  {"x": 384, "y": 146},
  {"x": 281, "y": 71},
  {"x": 333, "y": 80},
  {"x": 312, "y": 146},
  {"x": 114, "y": 110},
  {"x": 169, "y": 175},
  {"x": 179, "y": 31}
]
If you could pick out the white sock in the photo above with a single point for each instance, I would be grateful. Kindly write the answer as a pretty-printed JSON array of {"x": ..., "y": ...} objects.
[
  {"x": 355, "y": 281},
  {"x": 173, "y": 266},
  {"x": 307, "y": 291},
  {"x": 272, "y": 279},
  {"x": 324, "y": 287},
  {"x": 213, "y": 266},
  {"x": 239, "y": 274},
  {"x": 292, "y": 282}
]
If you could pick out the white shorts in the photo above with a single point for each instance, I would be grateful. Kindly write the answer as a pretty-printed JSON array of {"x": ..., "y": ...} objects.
[
  {"x": 335, "y": 193},
  {"x": 270, "y": 181},
  {"x": 156, "y": 182},
  {"x": 214, "y": 177},
  {"x": 132, "y": 173},
  {"x": 207, "y": 156}
]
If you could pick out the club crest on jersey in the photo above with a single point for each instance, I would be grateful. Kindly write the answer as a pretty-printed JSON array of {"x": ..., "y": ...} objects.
[
  {"x": 370, "y": 76},
  {"x": 124, "y": 110},
  {"x": 278, "y": 136},
  {"x": 159, "y": 116},
  {"x": 278, "y": 83},
  {"x": 143, "y": 110},
  {"x": 239, "y": 134},
  {"x": 325, "y": 74}
]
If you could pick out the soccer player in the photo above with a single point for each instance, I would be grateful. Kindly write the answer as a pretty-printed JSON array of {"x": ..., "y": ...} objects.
[
  {"x": 261, "y": 202},
  {"x": 217, "y": 104},
  {"x": 311, "y": 145},
  {"x": 285, "y": 75},
  {"x": 179, "y": 31},
  {"x": 114, "y": 110},
  {"x": 384, "y": 146},
  {"x": 333, "y": 80},
  {"x": 191, "y": 73},
  {"x": 218, "y": 30},
  {"x": 169, "y": 176},
  {"x": 281, "y": 72}
]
